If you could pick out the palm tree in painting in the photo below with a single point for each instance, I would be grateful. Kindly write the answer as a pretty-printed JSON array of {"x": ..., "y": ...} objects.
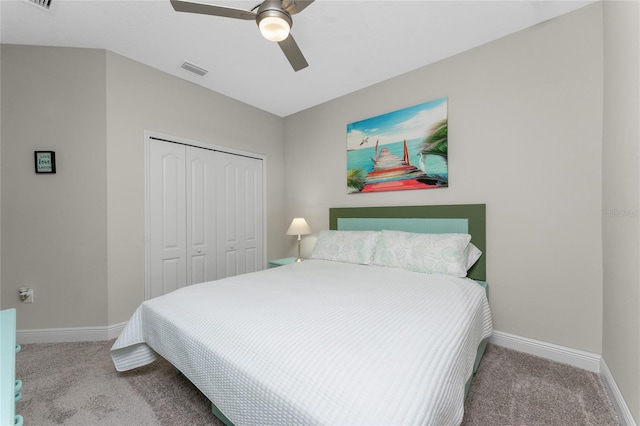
[
  {"x": 355, "y": 180},
  {"x": 436, "y": 141}
]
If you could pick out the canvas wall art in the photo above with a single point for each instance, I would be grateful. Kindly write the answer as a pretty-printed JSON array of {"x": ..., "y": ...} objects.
[{"x": 399, "y": 150}]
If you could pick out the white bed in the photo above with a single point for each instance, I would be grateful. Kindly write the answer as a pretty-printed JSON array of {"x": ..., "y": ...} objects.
[{"x": 319, "y": 342}]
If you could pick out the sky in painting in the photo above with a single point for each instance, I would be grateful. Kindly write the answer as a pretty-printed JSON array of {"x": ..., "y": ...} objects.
[{"x": 408, "y": 123}]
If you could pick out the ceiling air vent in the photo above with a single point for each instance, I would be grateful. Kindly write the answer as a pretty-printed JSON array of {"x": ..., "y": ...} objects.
[
  {"x": 193, "y": 68},
  {"x": 46, "y": 4}
]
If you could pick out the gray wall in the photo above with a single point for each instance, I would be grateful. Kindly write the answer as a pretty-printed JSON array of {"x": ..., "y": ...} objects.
[
  {"x": 621, "y": 198},
  {"x": 525, "y": 137},
  {"x": 77, "y": 237},
  {"x": 54, "y": 227}
]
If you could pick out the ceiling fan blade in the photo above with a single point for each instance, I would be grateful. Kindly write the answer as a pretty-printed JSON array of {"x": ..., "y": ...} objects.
[
  {"x": 295, "y": 6},
  {"x": 292, "y": 52},
  {"x": 209, "y": 9}
]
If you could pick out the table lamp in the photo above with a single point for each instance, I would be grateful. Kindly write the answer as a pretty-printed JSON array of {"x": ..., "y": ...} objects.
[{"x": 299, "y": 227}]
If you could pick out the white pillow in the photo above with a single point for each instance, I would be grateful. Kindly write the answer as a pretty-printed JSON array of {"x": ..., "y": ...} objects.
[
  {"x": 473, "y": 254},
  {"x": 430, "y": 253},
  {"x": 346, "y": 246}
]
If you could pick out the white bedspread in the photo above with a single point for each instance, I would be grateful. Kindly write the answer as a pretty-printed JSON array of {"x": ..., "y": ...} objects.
[{"x": 319, "y": 342}]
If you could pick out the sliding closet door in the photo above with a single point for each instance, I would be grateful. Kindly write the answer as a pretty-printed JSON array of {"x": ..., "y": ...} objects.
[
  {"x": 201, "y": 194},
  {"x": 240, "y": 215},
  {"x": 205, "y": 215},
  {"x": 167, "y": 218}
]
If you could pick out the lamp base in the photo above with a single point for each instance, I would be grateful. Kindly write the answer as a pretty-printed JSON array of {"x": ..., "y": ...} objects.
[{"x": 299, "y": 258}]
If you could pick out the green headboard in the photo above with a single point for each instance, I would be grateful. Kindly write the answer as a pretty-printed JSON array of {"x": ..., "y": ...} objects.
[{"x": 461, "y": 218}]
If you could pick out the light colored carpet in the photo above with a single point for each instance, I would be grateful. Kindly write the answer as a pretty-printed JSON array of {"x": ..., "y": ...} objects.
[
  {"x": 512, "y": 388},
  {"x": 76, "y": 384},
  {"x": 73, "y": 384}
]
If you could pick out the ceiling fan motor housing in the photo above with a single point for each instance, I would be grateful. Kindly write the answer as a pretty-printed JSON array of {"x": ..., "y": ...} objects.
[{"x": 273, "y": 9}]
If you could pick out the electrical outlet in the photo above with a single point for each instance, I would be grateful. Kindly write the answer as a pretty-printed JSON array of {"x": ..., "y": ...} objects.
[{"x": 26, "y": 295}]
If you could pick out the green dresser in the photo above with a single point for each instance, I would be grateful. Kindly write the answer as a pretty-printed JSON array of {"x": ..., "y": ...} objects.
[{"x": 10, "y": 388}]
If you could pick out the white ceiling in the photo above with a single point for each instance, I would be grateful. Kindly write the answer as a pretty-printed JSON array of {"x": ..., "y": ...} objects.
[{"x": 349, "y": 44}]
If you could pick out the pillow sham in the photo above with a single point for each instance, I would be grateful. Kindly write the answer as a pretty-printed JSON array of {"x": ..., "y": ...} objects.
[
  {"x": 473, "y": 254},
  {"x": 427, "y": 253},
  {"x": 346, "y": 246}
]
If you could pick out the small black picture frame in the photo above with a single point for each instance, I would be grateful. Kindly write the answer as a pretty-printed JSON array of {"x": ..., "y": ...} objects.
[{"x": 45, "y": 161}]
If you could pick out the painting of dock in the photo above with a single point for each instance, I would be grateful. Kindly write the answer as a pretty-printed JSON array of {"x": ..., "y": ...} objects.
[{"x": 400, "y": 150}]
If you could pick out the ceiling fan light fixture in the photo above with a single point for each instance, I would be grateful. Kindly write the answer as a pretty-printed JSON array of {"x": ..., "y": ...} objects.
[{"x": 274, "y": 24}]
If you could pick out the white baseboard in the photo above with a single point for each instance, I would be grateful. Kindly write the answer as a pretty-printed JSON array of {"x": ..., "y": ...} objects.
[
  {"x": 76, "y": 334},
  {"x": 626, "y": 419},
  {"x": 575, "y": 357}
]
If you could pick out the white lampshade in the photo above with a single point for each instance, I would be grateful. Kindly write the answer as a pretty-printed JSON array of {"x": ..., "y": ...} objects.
[
  {"x": 299, "y": 226},
  {"x": 274, "y": 28}
]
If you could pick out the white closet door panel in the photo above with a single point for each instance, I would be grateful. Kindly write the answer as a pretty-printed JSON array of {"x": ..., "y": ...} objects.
[
  {"x": 250, "y": 201},
  {"x": 196, "y": 200},
  {"x": 227, "y": 220},
  {"x": 198, "y": 269},
  {"x": 241, "y": 215},
  {"x": 252, "y": 222},
  {"x": 230, "y": 206},
  {"x": 172, "y": 203},
  {"x": 252, "y": 262},
  {"x": 201, "y": 215},
  {"x": 172, "y": 275},
  {"x": 167, "y": 243},
  {"x": 231, "y": 263}
]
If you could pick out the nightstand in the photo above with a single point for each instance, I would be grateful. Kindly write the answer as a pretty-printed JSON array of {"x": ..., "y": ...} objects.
[{"x": 279, "y": 262}]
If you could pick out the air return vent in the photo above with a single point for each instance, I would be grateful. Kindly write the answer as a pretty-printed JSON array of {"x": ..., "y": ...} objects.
[
  {"x": 193, "y": 68},
  {"x": 46, "y": 4}
]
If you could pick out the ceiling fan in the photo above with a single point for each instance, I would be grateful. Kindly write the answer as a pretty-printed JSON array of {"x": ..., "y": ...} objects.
[{"x": 272, "y": 16}]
